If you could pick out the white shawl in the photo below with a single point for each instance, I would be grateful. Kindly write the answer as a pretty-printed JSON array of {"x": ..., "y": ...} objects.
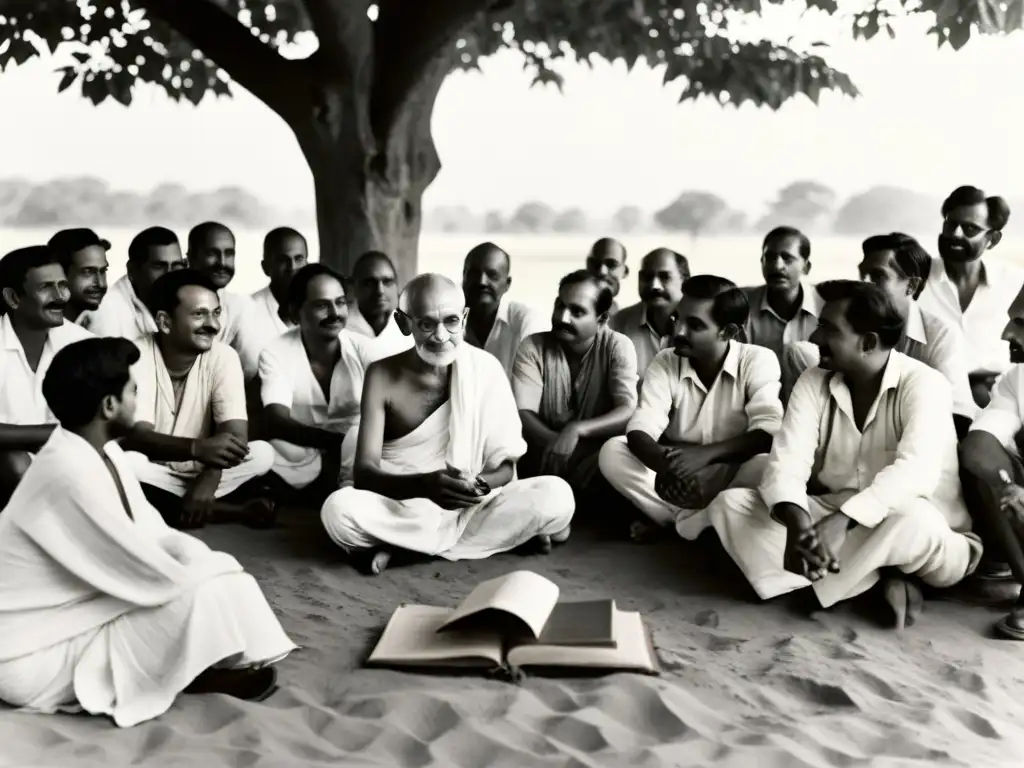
[{"x": 71, "y": 559}]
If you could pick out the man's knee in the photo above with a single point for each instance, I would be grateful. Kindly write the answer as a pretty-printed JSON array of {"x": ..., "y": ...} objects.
[
  {"x": 734, "y": 502},
  {"x": 261, "y": 457},
  {"x": 338, "y": 520},
  {"x": 614, "y": 453},
  {"x": 559, "y": 499}
]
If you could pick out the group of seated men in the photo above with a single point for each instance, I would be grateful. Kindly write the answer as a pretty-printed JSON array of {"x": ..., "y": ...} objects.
[{"x": 832, "y": 435}]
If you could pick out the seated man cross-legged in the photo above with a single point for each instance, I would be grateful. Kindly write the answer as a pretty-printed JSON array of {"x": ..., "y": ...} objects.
[
  {"x": 862, "y": 483},
  {"x": 189, "y": 447},
  {"x": 106, "y": 609},
  {"x": 312, "y": 380},
  {"x": 575, "y": 386},
  {"x": 438, "y": 441},
  {"x": 708, "y": 410}
]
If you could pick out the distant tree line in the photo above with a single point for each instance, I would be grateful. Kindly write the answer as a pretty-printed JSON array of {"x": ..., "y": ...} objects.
[
  {"x": 809, "y": 205},
  {"x": 89, "y": 201}
]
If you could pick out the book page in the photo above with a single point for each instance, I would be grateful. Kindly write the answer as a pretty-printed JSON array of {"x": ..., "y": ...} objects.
[
  {"x": 411, "y": 639},
  {"x": 524, "y": 594},
  {"x": 632, "y": 652}
]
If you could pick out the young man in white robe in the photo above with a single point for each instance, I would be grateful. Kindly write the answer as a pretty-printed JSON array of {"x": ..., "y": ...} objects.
[
  {"x": 285, "y": 252},
  {"x": 312, "y": 381},
  {"x": 211, "y": 251},
  {"x": 496, "y": 323},
  {"x": 898, "y": 265},
  {"x": 124, "y": 312},
  {"x": 437, "y": 446},
  {"x": 993, "y": 475},
  {"x": 372, "y": 314},
  {"x": 33, "y": 299},
  {"x": 106, "y": 609},
  {"x": 83, "y": 254},
  {"x": 190, "y": 446},
  {"x": 862, "y": 484},
  {"x": 709, "y": 408}
]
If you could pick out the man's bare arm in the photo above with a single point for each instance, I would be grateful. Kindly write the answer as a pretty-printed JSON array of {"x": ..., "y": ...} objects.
[
  {"x": 646, "y": 448},
  {"x": 282, "y": 426},
  {"x": 367, "y": 474},
  {"x": 535, "y": 431},
  {"x": 500, "y": 476},
  {"x": 742, "y": 447},
  {"x": 157, "y": 446},
  {"x": 610, "y": 424},
  {"x": 24, "y": 437}
]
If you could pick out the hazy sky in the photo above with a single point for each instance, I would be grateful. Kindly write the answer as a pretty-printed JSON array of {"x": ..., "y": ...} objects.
[{"x": 927, "y": 120}]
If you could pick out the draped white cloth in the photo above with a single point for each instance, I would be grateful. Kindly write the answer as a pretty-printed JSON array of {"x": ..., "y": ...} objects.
[
  {"x": 476, "y": 430},
  {"x": 109, "y": 612}
]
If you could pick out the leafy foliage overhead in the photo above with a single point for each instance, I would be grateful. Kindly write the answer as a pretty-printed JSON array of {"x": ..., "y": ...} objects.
[{"x": 116, "y": 43}]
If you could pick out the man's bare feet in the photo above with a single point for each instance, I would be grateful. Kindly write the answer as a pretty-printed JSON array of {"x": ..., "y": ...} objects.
[
  {"x": 373, "y": 562},
  {"x": 249, "y": 684},
  {"x": 905, "y": 598},
  {"x": 1011, "y": 626}
]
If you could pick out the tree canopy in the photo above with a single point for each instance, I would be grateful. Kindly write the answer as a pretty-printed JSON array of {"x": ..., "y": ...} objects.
[{"x": 117, "y": 43}]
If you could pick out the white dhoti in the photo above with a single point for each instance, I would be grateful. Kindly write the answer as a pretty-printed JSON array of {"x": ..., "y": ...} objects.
[
  {"x": 133, "y": 667},
  {"x": 176, "y": 477},
  {"x": 796, "y": 358},
  {"x": 296, "y": 465},
  {"x": 635, "y": 482},
  {"x": 916, "y": 539}
]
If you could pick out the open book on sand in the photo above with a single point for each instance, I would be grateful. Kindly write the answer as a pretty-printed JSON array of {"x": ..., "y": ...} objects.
[{"x": 514, "y": 621}]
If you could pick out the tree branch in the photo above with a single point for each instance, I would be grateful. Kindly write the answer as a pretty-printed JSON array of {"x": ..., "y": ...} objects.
[
  {"x": 409, "y": 37},
  {"x": 220, "y": 36}
]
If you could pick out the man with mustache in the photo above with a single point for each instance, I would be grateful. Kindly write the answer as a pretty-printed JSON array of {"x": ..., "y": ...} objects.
[
  {"x": 969, "y": 290},
  {"x": 105, "y": 608},
  {"x": 211, "y": 251},
  {"x": 190, "y": 445},
  {"x": 284, "y": 253},
  {"x": 124, "y": 312},
  {"x": 575, "y": 386},
  {"x": 647, "y": 323},
  {"x": 783, "y": 310},
  {"x": 898, "y": 265},
  {"x": 438, "y": 440},
  {"x": 862, "y": 483},
  {"x": 375, "y": 287},
  {"x": 83, "y": 254},
  {"x": 311, "y": 380},
  {"x": 607, "y": 261},
  {"x": 495, "y": 323},
  {"x": 993, "y": 476},
  {"x": 709, "y": 408},
  {"x": 33, "y": 328}
]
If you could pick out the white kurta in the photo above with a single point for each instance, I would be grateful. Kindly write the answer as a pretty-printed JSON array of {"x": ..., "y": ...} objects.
[
  {"x": 897, "y": 480},
  {"x": 476, "y": 430},
  {"x": 21, "y": 388},
  {"x": 286, "y": 379},
  {"x": 234, "y": 313},
  {"x": 111, "y": 613},
  {"x": 675, "y": 406},
  {"x": 513, "y": 323},
  {"x": 121, "y": 313},
  {"x": 929, "y": 339},
  {"x": 214, "y": 394},
  {"x": 390, "y": 341},
  {"x": 1003, "y": 417},
  {"x": 262, "y": 326}
]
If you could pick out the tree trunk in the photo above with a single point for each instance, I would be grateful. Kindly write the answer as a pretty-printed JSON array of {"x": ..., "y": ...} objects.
[{"x": 369, "y": 188}]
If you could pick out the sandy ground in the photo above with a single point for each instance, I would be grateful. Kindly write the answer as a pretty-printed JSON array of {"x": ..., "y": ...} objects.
[{"x": 744, "y": 685}]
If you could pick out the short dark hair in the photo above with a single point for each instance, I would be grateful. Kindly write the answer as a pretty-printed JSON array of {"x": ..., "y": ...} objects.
[
  {"x": 199, "y": 231},
  {"x": 912, "y": 260},
  {"x": 868, "y": 310},
  {"x": 68, "y": 242},
  {"x": 478, "y": 250},
  {"x": 299, "y": 284},
  {"x": 371, "y": 256},
  {"x": 146, "y": 240},
  {"x": 164, "y": 295},
  {"x": 279, "y": 234},
  {"x": 998, "y": 208},
  {"x": 682, "y": 263},
  {"x": 782, "y": 233},
  {"x": 15, "y": 266},
  {"x": 729, "y": 304},
  {"x": 83, "y": 373},
  {"x": 603, "y": 302}
]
